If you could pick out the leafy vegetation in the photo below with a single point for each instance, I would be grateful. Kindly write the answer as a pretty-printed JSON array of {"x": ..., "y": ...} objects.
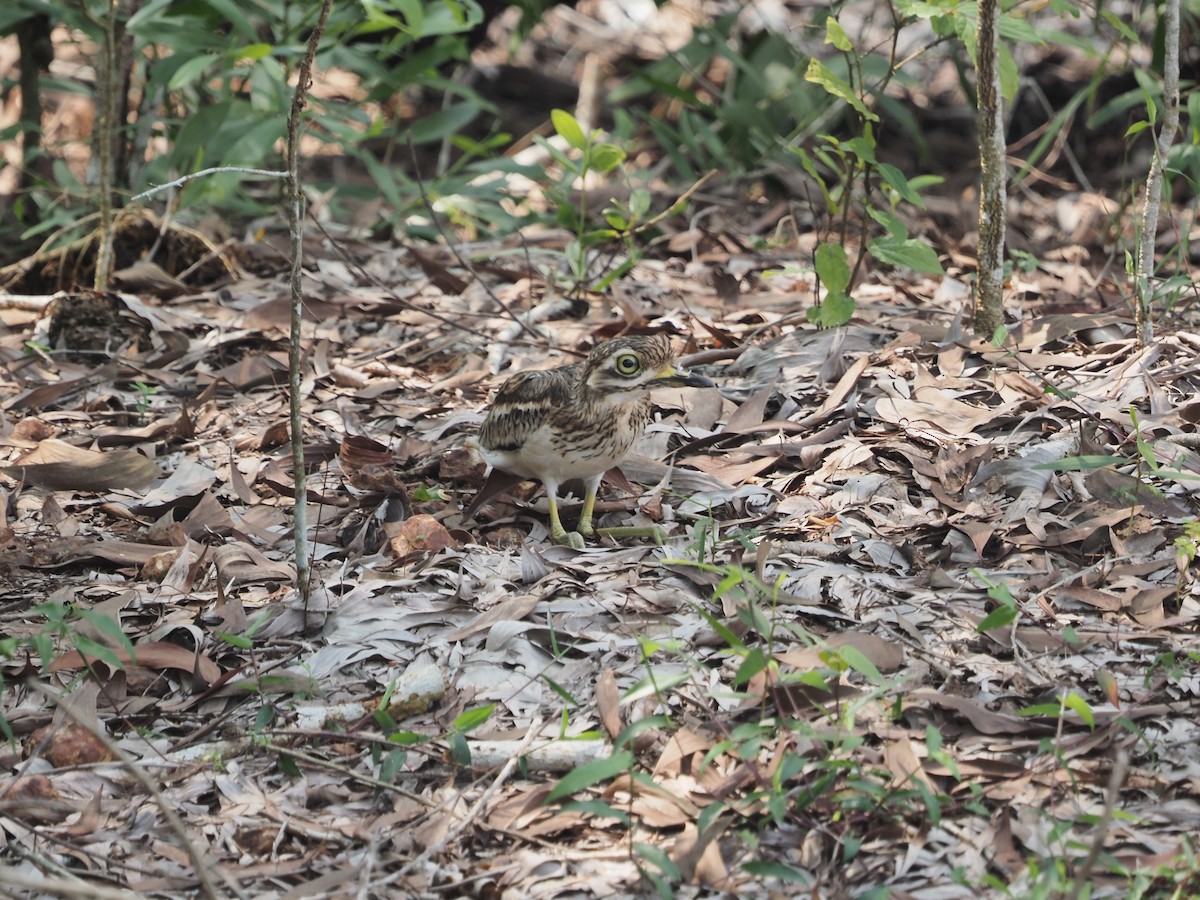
[{"x": 754, "y": 716}]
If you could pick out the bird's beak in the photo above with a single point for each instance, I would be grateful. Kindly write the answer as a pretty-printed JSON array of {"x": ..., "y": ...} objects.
[{"x": 670, "y": 376}]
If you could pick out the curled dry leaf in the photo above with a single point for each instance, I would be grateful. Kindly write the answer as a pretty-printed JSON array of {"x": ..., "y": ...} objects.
[
  {"x": 68, "y": 744},
  {"x": 421, "y": 534}
]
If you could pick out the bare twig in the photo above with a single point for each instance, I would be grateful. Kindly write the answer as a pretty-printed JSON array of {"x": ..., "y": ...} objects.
[
  {"x": 1154, "y": 180},
  {"x": 1115, "y": 779},
  {"x": 214, "y": 170},
  {"x": 295, "y": 206},
  {"x": 62, "y": 887},
  {"x": 474, "y": 812},
  {"x": 105, "y": 129},
  {"x": 200, "y": 866}
]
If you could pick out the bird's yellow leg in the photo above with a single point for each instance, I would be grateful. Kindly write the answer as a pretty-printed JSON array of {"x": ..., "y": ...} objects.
[
  {"x": 585, "y": 515},
  {"x": 558, "y": 534}
]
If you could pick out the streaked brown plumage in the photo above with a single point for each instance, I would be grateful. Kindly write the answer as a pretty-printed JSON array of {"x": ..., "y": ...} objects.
[{"x": 578, "y": 421}]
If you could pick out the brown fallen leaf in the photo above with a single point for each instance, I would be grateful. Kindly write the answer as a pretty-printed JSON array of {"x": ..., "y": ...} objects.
[
  {"x": 151, "y": 655},
  {"x": 60, "y": 466}
]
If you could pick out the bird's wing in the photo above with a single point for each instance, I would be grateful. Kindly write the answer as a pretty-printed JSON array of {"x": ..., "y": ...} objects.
[{"x": 523, "y": 404}]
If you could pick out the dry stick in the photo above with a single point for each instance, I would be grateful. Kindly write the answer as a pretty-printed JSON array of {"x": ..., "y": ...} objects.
[
  {"x": 295, "y": 207},
  {"x": 1154, "y": 180},
  {"x": 1117, "y": 778},
  {"x": 200, "y": 866},
  {"x": 214, "y": 170},
  {"x": 474, "y": 812},
  {"x": 61, "y": 887},
  {"x": 105, "y": 130},
  {"x": 319, "y": 763}
]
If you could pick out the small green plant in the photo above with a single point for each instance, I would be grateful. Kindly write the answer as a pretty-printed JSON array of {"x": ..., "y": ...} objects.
[
  {"x": 592, "y": 156},
  {"x": 145, "y": 392},
  {"x": 1006, "y": 610},
  {"x": 60, "y": 629},
  {"x": 821, "y": 758}
]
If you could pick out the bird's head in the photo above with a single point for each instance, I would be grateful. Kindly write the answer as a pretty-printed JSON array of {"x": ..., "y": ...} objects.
[{"x": 637, "y": 362}]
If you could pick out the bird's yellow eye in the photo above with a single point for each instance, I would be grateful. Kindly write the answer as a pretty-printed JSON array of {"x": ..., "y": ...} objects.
[{"x": 627, "y": 364}]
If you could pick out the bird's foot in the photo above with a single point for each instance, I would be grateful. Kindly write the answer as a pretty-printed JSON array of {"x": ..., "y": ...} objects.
[
  {"x": 656, "y": 534},
  {"x": 572, "y": 539}
]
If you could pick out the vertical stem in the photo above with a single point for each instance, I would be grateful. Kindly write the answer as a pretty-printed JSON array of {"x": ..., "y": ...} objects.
[
  {"x": 106, "y": 87},
  {"x": 1152, "y": 202},
  {"x": 993, "y": 198},
  {"x": 295, "y": 207}
]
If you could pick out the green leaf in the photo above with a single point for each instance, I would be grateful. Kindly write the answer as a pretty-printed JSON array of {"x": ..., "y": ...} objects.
[
  {"x": 460, "y": 751},
  {"x": 597, "y": 808},
  {"x": 568, "y": 128},
  {"x": 560, "y": 690},
  {"x": 819, "y": 73},
  {"x": 830, "y": 262},
  {"x": 236, "y": 641},
  {"x": 835, "y": 310},
  {"x": 192, "y": 70},
  {"x": 234, "y": 14},
  {"x": 605, "y": 157},
  {"x": 392, "y": 764},
  {"x": 423, "y": 494},
  {"x": 1080, "y": 707},
  {"x": 649, "y": 686},
  {"x": 473, "y": 718},
  {"x": 254, "y": 51},
  {"x": 862, "y": 146},
  {"x": 920, "y": 9},
  {"x": 859, "y": 663},
  {"x": 89, "y": 647},
  {"x": 449, "y": 18},
  {"x": 406, "y": 738},
  {"x": 892, "y": 223},
  {"x": 658, "y": 858},
  {"x": 1114, "y": 21},
  {"x": 590, "y": 773},
  {"x": 768, "y": 869},
  {"x": 633, "y": 729},
  {"x": 443, "y": 123},
  {"x": 754, "y": 662},
  {"x": 1041, "y": 709},
  {"x": 901, "y": 185},
  {"x": 836, "y": 35},
  {"x": 1010, "y": 76},
  {"x": 1137, "y": 127},
  {"x": 639, "y": 203},
  {"x": 911, "y": 253},
  {"x": 1012, "y": 28},
  {"x": 997, "y": 618},
  {"x": 109, "y": 627},
  {"x": 1084, "y": 463}
]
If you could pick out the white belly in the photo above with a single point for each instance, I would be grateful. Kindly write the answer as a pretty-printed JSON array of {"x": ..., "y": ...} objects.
[{"x": 539, "y": 457}]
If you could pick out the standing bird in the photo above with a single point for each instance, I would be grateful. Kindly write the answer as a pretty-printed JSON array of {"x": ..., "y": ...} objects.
[{"x": 579, "y": 421}]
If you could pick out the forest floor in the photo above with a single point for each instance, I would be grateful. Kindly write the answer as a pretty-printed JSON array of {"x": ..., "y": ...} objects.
[{"x": 924, "y": 623}]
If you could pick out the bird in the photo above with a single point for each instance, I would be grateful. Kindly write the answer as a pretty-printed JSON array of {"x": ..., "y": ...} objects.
[{"x": 578, "y": 421}]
